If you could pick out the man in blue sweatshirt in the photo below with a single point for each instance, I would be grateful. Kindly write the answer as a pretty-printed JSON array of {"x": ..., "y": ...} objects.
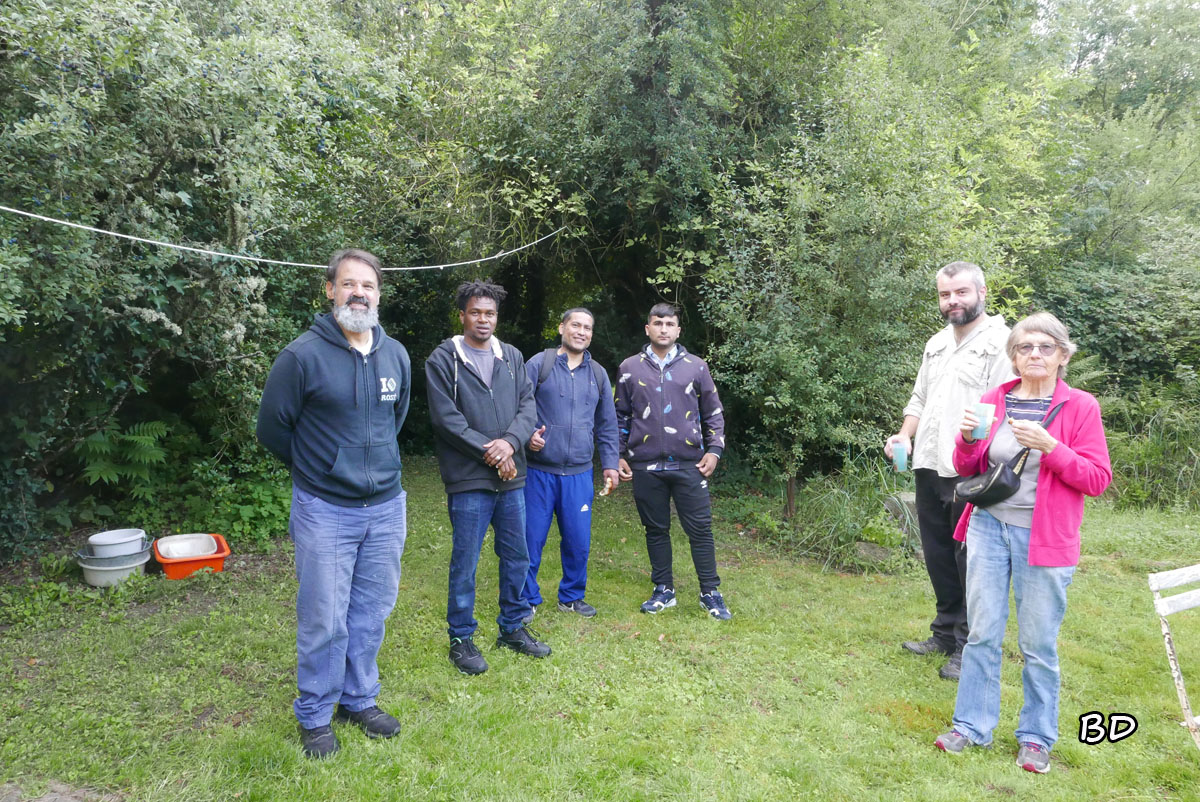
[
  {"x": 332, "y": 407},
  {"x": 482, "y": 409},
  {"x": 574, "y": 413}
]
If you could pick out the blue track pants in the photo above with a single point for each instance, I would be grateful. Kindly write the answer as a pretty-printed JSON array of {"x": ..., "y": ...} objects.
[{"x": 569, "y": 498}]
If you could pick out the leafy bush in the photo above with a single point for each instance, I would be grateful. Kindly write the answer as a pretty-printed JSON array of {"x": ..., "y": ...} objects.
[
  {"x": 834, "y": 512},
  {"x": 1154, "y": 443},
  {"x": 247, "y": 502}
]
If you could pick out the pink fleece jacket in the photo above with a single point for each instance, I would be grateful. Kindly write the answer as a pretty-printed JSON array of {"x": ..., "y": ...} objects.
[{"x": 1076, "y": 467}]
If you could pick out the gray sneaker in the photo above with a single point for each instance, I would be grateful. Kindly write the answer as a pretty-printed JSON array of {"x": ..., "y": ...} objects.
[
  {"x": 528, "y": 619},
  {"x": 1033, "y": 757},
  {"x": 953, "y": 742}
]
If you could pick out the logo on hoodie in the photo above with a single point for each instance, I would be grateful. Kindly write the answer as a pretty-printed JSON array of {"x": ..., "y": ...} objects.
[{"x": 387, "y": 389}]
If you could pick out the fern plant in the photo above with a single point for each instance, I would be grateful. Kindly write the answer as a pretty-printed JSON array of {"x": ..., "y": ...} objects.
[{"x": 113, "y": 456}]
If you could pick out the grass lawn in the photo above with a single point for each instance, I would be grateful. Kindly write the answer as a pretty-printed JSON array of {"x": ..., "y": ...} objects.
[{"x": 182, "y": 690}]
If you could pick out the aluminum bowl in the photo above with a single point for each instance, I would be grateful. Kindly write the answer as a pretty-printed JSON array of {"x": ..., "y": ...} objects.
[{"x": 86, "y": 556}]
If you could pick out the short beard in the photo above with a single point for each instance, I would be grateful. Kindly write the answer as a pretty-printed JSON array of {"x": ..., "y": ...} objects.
[
  {"x": 354, "y": 320},
  {"x": 969, "y": 315},
  {"x": 570, "y": 350}
]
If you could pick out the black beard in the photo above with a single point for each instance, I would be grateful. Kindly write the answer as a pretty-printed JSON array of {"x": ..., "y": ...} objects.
[{"x": 968, "y": 315}]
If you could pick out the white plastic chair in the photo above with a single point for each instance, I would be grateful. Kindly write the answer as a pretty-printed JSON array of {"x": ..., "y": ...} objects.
[{"x": 1167, "y": 605}]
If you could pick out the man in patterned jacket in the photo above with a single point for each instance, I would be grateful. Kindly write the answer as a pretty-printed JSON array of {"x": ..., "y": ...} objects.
[{"x": 671, "y": 435}]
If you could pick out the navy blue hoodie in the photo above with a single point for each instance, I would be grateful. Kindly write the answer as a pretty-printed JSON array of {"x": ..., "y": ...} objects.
[
  {"x": 332, "y": 414},
  {"x": 578, "y": 415}
]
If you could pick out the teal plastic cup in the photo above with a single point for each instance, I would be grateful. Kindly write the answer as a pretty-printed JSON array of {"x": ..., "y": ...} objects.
[
  {"x": 986, "y": 413},
  {"x": 899, "y": 457}
]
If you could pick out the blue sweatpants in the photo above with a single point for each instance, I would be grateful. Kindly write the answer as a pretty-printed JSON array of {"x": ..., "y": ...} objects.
[{"x": 570, "y": 499}]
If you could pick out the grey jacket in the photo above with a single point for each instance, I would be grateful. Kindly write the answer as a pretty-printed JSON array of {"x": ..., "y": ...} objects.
[{"x": 467, "y": 413}]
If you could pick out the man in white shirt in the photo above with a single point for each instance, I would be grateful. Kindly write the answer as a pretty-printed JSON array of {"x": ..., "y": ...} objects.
[{"x": 960, "y": 362}]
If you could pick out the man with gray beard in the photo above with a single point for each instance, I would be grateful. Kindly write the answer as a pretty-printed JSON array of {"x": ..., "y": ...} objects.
[{"x": 332, "y": 407}]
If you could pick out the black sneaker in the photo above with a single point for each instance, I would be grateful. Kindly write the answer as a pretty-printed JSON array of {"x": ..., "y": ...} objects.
[
  {"x": 373, "y": 721},
  {"x": 523, "y": 641},
  {"x": 319, "y": 742},
  {"x": 583, "y": 608},
  {"x": 662, "y": 598},
  {"x": 930, "y": 645},
  {"x": 953, "y": 668},
  {"x": 714, "y": 603},
  {"x": 466, "y": 657}
]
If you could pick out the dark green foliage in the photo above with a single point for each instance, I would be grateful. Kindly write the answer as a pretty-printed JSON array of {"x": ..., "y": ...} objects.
[{"x": 790, "y": 172}]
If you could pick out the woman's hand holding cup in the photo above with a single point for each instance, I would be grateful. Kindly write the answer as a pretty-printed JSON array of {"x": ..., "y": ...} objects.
[{"x": 970, "y": 420}]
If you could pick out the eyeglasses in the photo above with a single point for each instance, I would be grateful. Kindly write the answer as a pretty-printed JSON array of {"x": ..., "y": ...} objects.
[{"x": 1045, "y": 349}]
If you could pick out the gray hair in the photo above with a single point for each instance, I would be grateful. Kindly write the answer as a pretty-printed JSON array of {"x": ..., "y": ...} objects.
[
  {"x": 1042, "y": 323},
  {"x": 370, "y": 259},
  {"x": 954, "y": 268}
]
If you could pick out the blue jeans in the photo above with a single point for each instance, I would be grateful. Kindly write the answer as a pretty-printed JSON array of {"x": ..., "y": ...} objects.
[
  {"x": 470, "y": 514},
  {"x": 569, "y": 498},
  {"x": 348, "y": 568},
  {"x": 996, "y": 553}
]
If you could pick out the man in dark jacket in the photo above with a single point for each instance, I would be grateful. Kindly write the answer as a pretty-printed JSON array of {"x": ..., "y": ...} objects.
[
  {"x": 332, "y": 407},
  {"x": 574, "y": 413},
  {"x": 672, "y": 434},
  {"x": 482, "y": 407}
]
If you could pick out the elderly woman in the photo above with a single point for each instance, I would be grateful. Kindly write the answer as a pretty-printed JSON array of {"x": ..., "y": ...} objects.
[{"x": 1031, "y": 538}]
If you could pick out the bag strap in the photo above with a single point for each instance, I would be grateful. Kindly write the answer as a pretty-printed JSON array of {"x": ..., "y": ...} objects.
[
  {"x": 551, "y": 354},
  {"x": 1018, "y": 462},
  {"x": 601, "y": 378},
  {"x": 548, "y": 357}
]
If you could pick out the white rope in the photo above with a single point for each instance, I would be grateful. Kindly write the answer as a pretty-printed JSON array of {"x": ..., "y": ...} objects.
[
  {"x": 206, "y": 252},
  {"x": 500, "y": 255}
]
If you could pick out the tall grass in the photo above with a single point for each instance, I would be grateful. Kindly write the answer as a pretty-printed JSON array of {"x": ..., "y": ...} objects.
[{"x": 1154, "y": 442}]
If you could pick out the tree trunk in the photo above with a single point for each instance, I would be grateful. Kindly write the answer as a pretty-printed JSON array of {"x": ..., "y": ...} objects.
[{"x": 790, "y": 509}]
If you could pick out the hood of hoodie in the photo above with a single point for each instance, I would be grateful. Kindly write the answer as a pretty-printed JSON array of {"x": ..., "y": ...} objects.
[{"x": 332, "y": 414}]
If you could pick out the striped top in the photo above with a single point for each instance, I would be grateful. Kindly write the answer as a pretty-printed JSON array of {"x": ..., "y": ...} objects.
[{"x": 1017, "y": 509}]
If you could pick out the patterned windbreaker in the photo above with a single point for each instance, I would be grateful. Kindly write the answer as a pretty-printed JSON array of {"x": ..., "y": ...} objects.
[{"x": 667, "y": 418}]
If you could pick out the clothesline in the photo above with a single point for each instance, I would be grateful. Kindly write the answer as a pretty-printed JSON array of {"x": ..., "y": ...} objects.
[{"x": 260, "y": 259}]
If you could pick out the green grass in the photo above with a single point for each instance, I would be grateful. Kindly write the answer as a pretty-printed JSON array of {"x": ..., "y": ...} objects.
[{"x": 182, "y": 690}]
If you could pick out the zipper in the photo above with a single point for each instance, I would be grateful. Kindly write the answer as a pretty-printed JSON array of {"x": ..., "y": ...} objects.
[
  {"x": 367, "y": 456},
  {"x": 662, "y": 415},
  {"x": 571, "y": 419}
]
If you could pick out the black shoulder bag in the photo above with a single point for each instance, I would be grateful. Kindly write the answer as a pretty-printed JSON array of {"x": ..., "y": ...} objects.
[{"x": 1001, "y": 481}]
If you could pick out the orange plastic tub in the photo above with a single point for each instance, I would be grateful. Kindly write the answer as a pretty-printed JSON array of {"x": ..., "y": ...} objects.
[{"x": 181, "y": 567}]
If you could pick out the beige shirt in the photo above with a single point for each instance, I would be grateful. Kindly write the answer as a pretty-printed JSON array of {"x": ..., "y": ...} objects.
[{"x": 953, "y": 376}]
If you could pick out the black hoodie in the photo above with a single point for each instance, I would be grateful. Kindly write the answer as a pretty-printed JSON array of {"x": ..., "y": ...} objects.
[
  {"x": 467, "y": 413},
  {"x": 332, "y": 414}
]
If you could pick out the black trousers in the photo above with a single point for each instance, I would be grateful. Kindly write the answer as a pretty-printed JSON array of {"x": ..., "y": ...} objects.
[
  {"x": 945, "y": 558},
  {"x": 653, "y": 492}
]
